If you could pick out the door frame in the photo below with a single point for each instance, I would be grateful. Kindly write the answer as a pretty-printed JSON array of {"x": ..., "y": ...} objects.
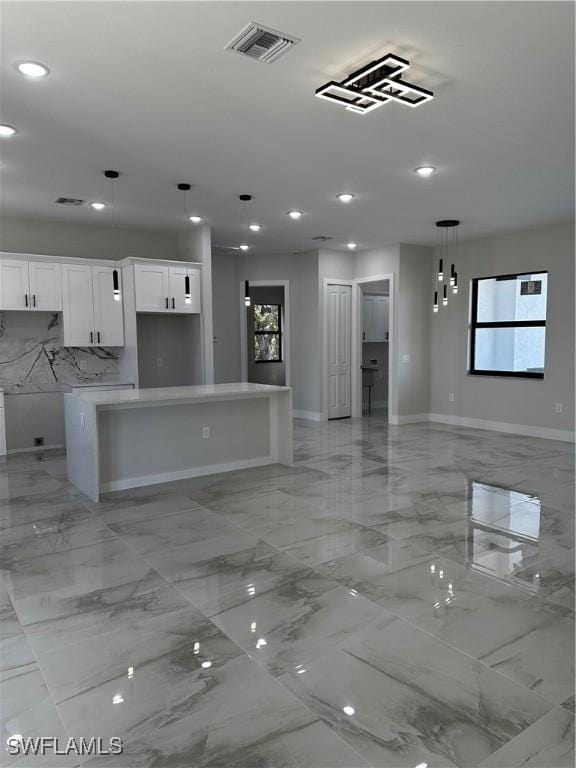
[
  {"x": 325, "y": 396},
  {"x": 286, "y": 348},
  {"x": 357, "y": 346}
]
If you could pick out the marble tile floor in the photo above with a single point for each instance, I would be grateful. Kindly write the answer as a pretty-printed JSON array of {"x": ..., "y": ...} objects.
[{"x": 402, "y": 597}]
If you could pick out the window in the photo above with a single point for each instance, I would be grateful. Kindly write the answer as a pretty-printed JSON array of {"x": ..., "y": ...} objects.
[
  {"x": 267, "y": 333},
  {"x": 508, "y": 327}
]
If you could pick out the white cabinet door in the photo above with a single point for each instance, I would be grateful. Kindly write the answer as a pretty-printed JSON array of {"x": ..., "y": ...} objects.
[
  {"x": 380, "y": 332},
  {"x": 14, "y": 284},
  {"x": 45, "y": 286},
  {"x": 152, "y": 288},
  {"x": 367, "y": 317},
  {"x": 108, "y": 313},
  {"x": 182, "y": 300},
  {"x": 339, "y": 360},
  {"x": 78, "y": 305}
]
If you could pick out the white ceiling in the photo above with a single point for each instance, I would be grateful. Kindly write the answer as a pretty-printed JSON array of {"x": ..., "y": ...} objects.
[{"x": 147, "y": 88}]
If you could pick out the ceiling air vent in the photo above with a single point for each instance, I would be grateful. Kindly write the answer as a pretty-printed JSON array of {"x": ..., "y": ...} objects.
[
  {"x": 322, "y": 238},
  {"x": 69, "y": 201},
  {"x": 262, "y": 43}
]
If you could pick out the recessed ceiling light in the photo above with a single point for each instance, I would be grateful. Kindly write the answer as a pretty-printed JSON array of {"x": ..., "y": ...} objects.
[
  {"x": 255, "y": 227},
  {"x": 244, "y": 247},
  {"x": 295, "y": 214},
  {"x": 351, "y": 245},
  {"x": 32, "y": 69},
  {"x": 348, "y": 710},
  {"x": 425, "y": 170},
  {"x": 97, "y": 206},
  {"x": 195, "y": 219},
  {"x": 345, "y": 197},
  {"x": 7, "y": 130},
  {"x": 206, "y": 664}
]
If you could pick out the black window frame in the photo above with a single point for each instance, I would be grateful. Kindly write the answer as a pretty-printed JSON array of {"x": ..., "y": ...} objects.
[
  {"x": 474, "y": 325},
  {"x": 270, "y": 333}
]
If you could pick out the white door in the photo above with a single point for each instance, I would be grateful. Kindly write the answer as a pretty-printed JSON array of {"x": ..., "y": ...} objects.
[
  {"x": 108, "y": 314},
  {"x": 152, "y": 288},
  {"x": 45, "y": 286},
  {"x": 380, "y": 318},
  {"x": 339, "y": 350},
  {"x": 367, "y": 318},
  {"x": 14, "y": 284},
  {"x": 78, "y": 305}
]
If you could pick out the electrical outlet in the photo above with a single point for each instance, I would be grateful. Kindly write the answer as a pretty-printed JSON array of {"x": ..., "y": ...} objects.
[
  {"x": 405, "y": 358},
  {"x": 451, "y": 396},
  {"x": 558, "y": 407},
  {"x": 159, "y": 362},
  {"x": 205, "y": 432}
]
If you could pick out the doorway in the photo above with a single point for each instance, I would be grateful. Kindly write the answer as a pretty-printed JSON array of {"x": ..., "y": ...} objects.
[
  {"x": 338, "y": 350},
  {"x": 265, "y": 333},
  {"x": 374, "y": 358}
]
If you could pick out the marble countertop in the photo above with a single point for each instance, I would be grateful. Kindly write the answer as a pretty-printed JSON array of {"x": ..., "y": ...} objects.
[{"x": 166, "y": 395}]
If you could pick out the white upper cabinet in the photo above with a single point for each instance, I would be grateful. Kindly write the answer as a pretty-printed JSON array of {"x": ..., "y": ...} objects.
[
  {"x": 108, "y": 314},
  {"x": 45, "y": 286},
  {"x": 184, "y": 289},
  {"x": 375, "y": 318},
  {"x": 170, "y": 289},
  {"x": 92, "y": 315},
  {"x": 152, "y": 290},
  {"x": 30, "y": 285}
]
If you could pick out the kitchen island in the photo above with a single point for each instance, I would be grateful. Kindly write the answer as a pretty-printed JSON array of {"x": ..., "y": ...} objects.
[{"x": 129, "y": 438}]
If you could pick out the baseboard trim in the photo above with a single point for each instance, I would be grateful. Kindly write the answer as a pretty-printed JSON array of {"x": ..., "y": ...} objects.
[
  {"x": 34, "y": 449},
  {"x": 183, "y": 474},
  {"x": 502, "y": 426},
  {"x": 411, "y": 418},
  {"x": 308, "y": 415}
]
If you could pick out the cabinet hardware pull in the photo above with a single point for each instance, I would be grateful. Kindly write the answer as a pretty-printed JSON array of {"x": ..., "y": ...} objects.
[
  {"x": 173, "y": 304},
  {"x": 26, "y": 299},
  {"x": 91, "y": 337},
  {"x": 98, "y": 336},
  {"x": 33, "y": 299},
  {"x": 167, "y": 302}
]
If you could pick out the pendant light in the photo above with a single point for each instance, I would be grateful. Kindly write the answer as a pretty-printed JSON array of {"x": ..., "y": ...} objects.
[
  {"x": 185, "y": 188},
  {"x": 113, "y": 175},
  {"x": 247, "y": 301},
  {"x": 448, "y": 247}
]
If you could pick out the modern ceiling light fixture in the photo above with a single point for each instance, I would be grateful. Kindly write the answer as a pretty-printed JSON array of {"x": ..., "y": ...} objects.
[
  {"x": 184, "y": 187},
  {"x": 113, "y": 176},
  {"x": 33, "y": 69},
  {"x": 247, "y": 301},
  {"x": 375, "y": 85},
  {"x": 425, "y": 171},
  {"x": 345, "y": 197},
  {"x": 447, "y": 230},
  {"x": 98, "y": 206},
  {"x": 7, "y": 130},
  {"x": 295, "y": 215},
  {"x": 245, "y": 246},
  {"x": 352, "y": 245},
  {"x": 255, "y": 227}
]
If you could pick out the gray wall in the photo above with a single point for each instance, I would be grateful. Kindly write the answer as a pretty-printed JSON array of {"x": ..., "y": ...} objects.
[
  {"x": 226, "y": 318},
  {"x": 264, "y": 373},
  {"x": 84, "y": 241},
  {"x": 301, "y": 270},
  {"x": 528, "y": 402}
]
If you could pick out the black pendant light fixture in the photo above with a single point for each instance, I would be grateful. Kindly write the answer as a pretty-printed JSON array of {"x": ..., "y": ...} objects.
[
  {"x": 448, "y": 249},
  {"x": 184, "y": 187},
  {"x": 113, "y": 176},
  {"x": 247, "y": 301}
]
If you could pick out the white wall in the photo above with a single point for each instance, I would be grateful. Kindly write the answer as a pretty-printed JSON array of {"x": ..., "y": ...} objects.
[
  {"x": 529, "y": 402},
  {"x": 84, "y": 241},
  {"x": 225, "y": 318}
]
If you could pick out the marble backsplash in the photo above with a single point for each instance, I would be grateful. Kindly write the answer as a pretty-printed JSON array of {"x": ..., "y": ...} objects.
[{"x": 33, "y": 360}]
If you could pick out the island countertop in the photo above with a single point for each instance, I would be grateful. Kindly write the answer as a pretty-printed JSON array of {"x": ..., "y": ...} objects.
[{"x": 167, "y": 395}]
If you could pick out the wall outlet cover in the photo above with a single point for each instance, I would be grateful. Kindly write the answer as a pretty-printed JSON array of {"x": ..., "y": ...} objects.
[
  {"x": 205, "y": 432},
  {"x": 451, "y": 396},
  {"x": 558, "y": 407}
]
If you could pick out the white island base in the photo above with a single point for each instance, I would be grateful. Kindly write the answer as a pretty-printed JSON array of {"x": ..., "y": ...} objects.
[{"x": 130, "y": 438}]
